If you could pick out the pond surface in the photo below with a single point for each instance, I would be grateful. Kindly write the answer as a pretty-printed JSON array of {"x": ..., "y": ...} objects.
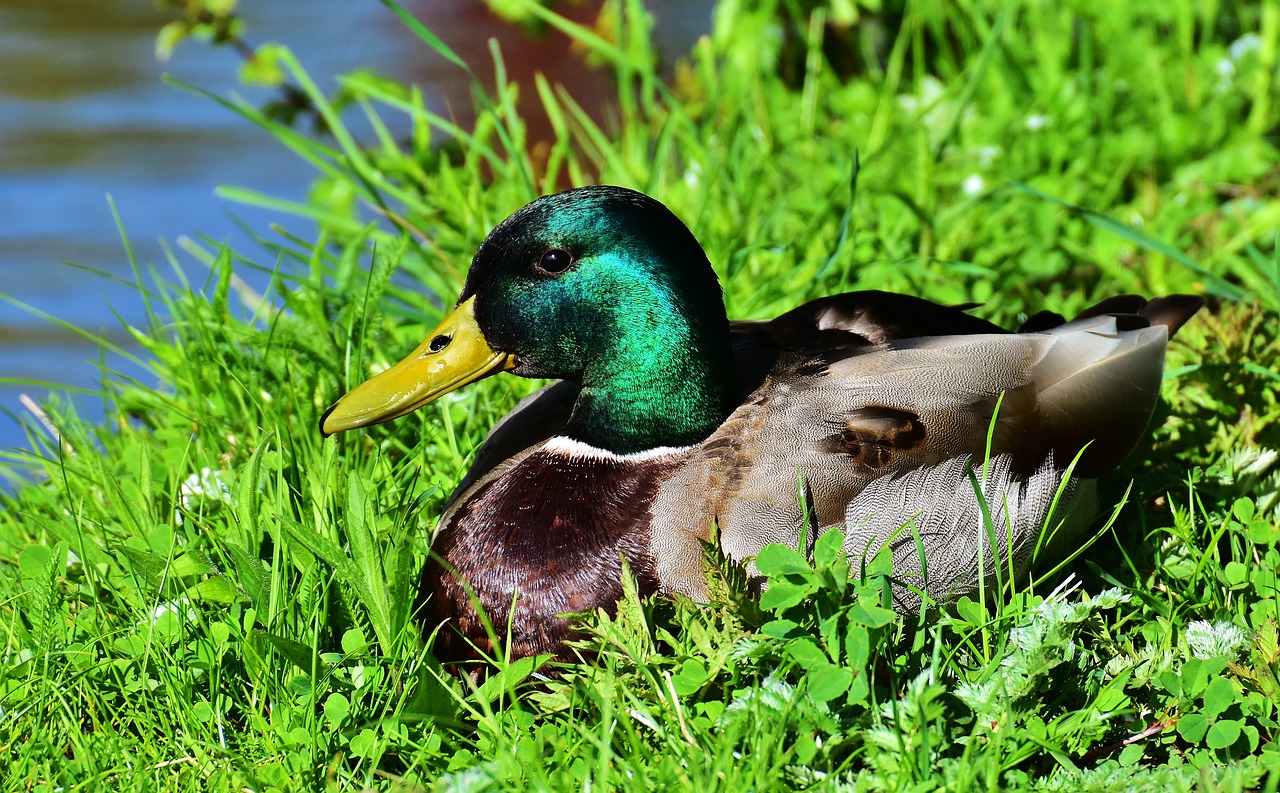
[{"x": 85, "y": 115}]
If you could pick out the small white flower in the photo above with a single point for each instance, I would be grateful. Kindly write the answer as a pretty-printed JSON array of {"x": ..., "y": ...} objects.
[
  {"x": 207, "y": 485},
  {"x": 180, "y": 607},
  {"x": 973, "y": 184},
  {"x": 1036, "y": 122},
  {"x": 927, "y": 101},
  {"x": 988, "y": 154},
  {"x": 931, "y": 89},
  {"x": 1249, "y": 42},
  {"x": 1226, "y": 71},
  {"x": 693, "y": 175}
]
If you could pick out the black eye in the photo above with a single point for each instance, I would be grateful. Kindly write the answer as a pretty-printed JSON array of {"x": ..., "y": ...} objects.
[{"x": 555, "y": 261}]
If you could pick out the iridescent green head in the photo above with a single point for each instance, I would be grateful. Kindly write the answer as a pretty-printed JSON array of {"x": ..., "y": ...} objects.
[{"x": 605, "y": 287}]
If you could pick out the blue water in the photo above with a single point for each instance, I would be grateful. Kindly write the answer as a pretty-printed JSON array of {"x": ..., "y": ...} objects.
[{"x": 84, "y": 114}]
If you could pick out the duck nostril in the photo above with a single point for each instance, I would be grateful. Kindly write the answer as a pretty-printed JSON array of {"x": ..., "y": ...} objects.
[{"x": 439, "y": 343}]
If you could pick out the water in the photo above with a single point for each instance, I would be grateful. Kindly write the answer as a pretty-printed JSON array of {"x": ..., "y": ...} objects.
[{"x": 84, "y": 114}]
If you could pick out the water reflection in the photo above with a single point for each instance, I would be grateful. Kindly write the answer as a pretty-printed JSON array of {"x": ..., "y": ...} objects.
[{"x": 84, "y": 114}]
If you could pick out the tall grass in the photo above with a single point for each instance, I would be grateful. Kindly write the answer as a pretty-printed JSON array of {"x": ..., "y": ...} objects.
[{"x": 203, "y": 594}]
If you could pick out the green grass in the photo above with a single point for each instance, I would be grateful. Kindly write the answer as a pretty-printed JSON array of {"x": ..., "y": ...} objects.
[{"x": 202, "y": 594}]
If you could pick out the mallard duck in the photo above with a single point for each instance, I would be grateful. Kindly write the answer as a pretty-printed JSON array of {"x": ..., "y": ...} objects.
[{"x": 670, "y": 424}]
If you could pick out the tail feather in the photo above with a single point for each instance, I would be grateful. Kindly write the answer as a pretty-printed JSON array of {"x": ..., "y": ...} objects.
[
  {"x": 1171, "y": 311},
  {"x": 1100, "y": 381},
  {"x": 1098, "y": 386},
  {"x": 1131, "y": 312}
]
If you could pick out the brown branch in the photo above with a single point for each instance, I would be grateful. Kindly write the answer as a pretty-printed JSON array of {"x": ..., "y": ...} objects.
[{"x": 1101, "y": 751}]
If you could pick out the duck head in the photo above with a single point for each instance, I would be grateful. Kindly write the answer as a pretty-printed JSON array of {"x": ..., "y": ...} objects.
[{"x": 603, "y": 286}]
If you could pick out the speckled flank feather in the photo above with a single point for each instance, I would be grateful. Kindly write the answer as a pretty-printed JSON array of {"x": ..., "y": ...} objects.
[{"x": 933, "y": 513}]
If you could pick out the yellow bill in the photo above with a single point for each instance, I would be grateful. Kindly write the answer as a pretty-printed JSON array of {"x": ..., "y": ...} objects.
[{"x": 455, "y": 354}]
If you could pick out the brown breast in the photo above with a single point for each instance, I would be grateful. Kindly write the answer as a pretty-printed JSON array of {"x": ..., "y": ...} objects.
[{"x": 548, "y": 535}]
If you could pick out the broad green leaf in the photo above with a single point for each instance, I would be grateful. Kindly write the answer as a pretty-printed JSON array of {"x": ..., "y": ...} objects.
[
  {"x": 215, "y": 589},
  {"x": 143, "y": 564},
  {"x": 857, "y": 646},
  {"x": 365, "y": 744},
  {"x": 971, "y": 612},
  {"x": 219, "y": 634},
  {"x": 353, "y": 641},
  {"x": 1192, "y": 727},
  {"x": 192, "y": 563},
  {"x": 1131, "y": 754},
  {"x": 828, "y": 548},
  {"x": 34, "y": 560},
  {"x": 1236, "y": 574},
  {"x": 203, "y": 711},
  {"x": 1219, "y": 695},
  {"x": 780, "y": 628},
  {"x": 251, "y": 575},
  {"x": 871, "y": 615},
  {"x": 1222, "y": 734},
  {"x": 1243, "y": 509},
  {"x": 1194, "y": 677},
  {"x": 692, "y": 676},
  {"x": 778, "y": 559},
  {"x": 828, "y": 681},
  {"x": 1252, "y": 735},
  {"x": 336, "y": 708},
  {"x": 782, "y": 595},
  {"x": 508, "y": 676},
  {"x": 1113, "y": 696},
  {"x": 858, "y": 689},
  {"x": 297, "y": 653},
  {"x": 807, "y": 653},
  {"x": 132, "y": 646},
  {"x": 1260, "y": 532},
  {"x": 433, "y": 696}
]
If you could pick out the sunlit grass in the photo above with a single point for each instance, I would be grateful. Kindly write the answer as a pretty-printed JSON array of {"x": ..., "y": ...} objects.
[{"x": 204, "y": 594}]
